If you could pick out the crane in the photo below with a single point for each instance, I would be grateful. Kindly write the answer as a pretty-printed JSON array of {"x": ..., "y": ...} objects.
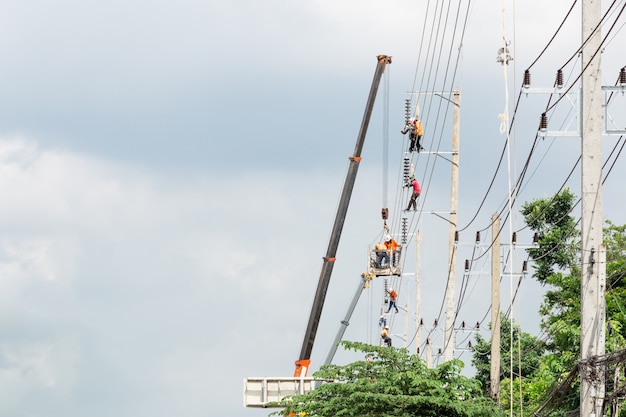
[{"x": 304, "y": 361}]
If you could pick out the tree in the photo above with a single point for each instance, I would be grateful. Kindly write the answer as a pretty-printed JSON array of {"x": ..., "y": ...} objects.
[
  {"x": 559, "y": 247},
  {"x": 391, "y": 382},
  {"x": 527, "y": 351},
  {"x": 556, "y": 261}
]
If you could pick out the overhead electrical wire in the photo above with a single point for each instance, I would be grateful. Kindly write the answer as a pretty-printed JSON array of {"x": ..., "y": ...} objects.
[
  {"x": 600, "y": 47},
  {"x": 429, "y": 79},
  {"x": 517, "y": 188},
  {"x": 553, "y": 36},
  {"x": 548, "y": 107},
  {"x": 499, "y": 164}
]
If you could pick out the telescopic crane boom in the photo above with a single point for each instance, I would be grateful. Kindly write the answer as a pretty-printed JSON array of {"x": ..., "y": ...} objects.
[{"x": 303, "y": 363}]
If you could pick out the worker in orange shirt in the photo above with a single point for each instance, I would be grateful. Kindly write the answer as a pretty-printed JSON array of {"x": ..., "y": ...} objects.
[
  {"x": 393, "y": 297},
  {"x": 392, "y": 247},
  {"x": 417, "y": 130},
  {"x": 385, "y": 335}
]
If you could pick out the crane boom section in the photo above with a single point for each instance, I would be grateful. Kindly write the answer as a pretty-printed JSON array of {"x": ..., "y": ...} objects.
[{"x": 327, "y": 267}]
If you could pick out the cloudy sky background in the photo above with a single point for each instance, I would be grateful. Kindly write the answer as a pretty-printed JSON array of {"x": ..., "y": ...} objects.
[{"x": 170, "y": 172}]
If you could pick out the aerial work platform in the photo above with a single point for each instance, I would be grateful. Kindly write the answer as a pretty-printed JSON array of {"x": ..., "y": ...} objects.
[
  {"x": 389, "y": 266},
  {"x": 265, "y": 392}
]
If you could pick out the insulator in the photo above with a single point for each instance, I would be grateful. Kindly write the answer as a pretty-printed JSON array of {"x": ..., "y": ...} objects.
[
  {"x": 436, "y": 321},
  {"x": 421, "y": 322},
  {"x": 456, "y": 236},
  {"x": 622, "y": 77},
  {"x": 559, "y": 79},
  {"x": 536, "y": 238},
  {"x": 543, "y": 125},
  {"x": 527, "y": 79},
  {"x": 477, "y": 325},
  {"x": 386, "y": 288},
  {"x": 463, "y": 324},
  {"x": 514, "y": 238},
  {"x": 406, "y": 170},
  {"x": 404, "y": 231},
  {"x": 439, "y": 351},
  {"x": 525, "y": 267},
  {"x": 469, "y": 344},
  {"x": 418, "y": 350},
  {"x": 478, "y": 237},
  {"x": 384, "y": 213},
  {"x": 428, "y": 341},
  {"x": 407, "y": 110},
  {"x": 466, "y": 265}
]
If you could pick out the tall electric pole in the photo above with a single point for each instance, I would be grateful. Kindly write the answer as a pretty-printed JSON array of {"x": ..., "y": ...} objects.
[
  {"x": 494, "y": 388},
  {"x": 593, "y": 268},
  {"x": 454, "y": 197}
]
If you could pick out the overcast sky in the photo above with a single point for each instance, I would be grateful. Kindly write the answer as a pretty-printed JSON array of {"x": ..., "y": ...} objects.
[{"x": 170, "y": 172}]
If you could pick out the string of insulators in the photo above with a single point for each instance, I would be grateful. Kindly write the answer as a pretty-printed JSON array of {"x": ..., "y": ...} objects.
[
  {"x": 478, "y": 237},
  {"x": 406, "y": 170},
  {"x": 559, "y": 79},
  {"x": 525, "y": 267},
  {"x": 526, "y": 79},
  {"x": 536, "y": 238},
  {"x": 384, "y": 213},
  {"x": 466, "y": 265},
  {"x": 456, "y": 237},
  {"x": 386, "y": 287},
  {"x": 407, "y": 110},
  {"x": 622, "y": 77},
  {"x": 543, "y": 124},
  {"x": 514, "y": 238},
  {"x": 404, "y": 231}
]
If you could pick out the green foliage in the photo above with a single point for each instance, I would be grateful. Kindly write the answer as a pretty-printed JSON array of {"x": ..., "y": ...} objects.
[
  {"x": 556, "y": 229},
  {"x": 556, "y": 260},
  {"x": 533, "y": 390},
  {"x": 391, "y": 382},
  {"x": 526, "y": 353}
]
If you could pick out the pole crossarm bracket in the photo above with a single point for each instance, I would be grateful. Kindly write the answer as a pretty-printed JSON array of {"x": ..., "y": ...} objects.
[{"x": 574, "y": 98}]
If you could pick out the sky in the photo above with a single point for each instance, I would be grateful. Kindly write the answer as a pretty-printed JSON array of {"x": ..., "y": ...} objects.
[{"x": 170, "y": 172}]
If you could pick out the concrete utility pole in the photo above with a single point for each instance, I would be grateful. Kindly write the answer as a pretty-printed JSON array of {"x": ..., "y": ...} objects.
[
  {"x": 593, "y": 267},
  {"x": 454, "y": 195},
  {"x": 495, "y": 309},
  {"x": 418, "y": 292}
]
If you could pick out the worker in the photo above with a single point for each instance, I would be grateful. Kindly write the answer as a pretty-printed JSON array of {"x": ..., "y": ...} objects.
[
  {"x": 392, "y": 248},
  {"x": 382, "y": 255},
  {"x": 385, "y": 335},
  {"x": 382, "y": 321},
  {"x": 416, "y": 128},
  {"x": 393, "y": 297},
  {"x": 416, "y": 193}
]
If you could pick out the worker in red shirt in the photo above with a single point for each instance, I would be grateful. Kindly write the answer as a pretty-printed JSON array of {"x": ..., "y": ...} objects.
[{"x": 416, "y": 193}]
